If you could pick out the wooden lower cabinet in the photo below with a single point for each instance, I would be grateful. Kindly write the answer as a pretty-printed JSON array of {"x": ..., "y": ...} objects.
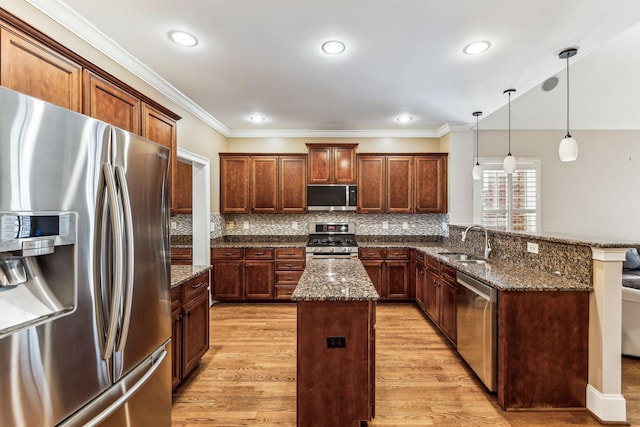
[
  {"x": 543, "y": 341},
  {"x": 388, "y": 270},
  {"x": 258, "y": 280},
  {"x": 227, "y": 280},
  {"x": 190, "y": 326},
  {"x": 335, "y": 385},
  {"x": 439, "y": 295},
  {"x": 420, "y": 279}
]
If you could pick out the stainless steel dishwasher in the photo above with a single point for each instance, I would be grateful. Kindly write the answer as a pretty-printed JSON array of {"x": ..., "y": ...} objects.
[{"x": 476, "y": 319}]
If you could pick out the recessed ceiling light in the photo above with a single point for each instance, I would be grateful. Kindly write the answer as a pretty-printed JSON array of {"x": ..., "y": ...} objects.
[
  {"x": 257, "y": 118},
  {"x": 182, "y": 38},
  {"x": 476, "y": 47},
  {"x": 333, "y": 47},
  {"x": 404, "y": 119}
]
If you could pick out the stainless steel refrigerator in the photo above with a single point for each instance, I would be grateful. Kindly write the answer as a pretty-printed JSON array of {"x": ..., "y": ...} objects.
[{"x": 84, "y": 271}]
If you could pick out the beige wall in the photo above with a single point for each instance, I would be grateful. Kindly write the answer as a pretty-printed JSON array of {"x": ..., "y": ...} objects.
[{"x": 365, "y": 145}]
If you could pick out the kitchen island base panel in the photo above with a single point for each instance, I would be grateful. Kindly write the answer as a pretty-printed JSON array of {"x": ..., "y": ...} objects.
[
  {"x": 335, "y": 385},
  {"x": 543, "y": 342}
]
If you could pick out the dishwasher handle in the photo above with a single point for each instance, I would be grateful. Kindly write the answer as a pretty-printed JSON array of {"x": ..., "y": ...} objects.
[{"x": 485, "y": 291}]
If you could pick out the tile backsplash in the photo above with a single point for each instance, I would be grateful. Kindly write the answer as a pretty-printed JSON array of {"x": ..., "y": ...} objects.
[{"x": 292, "y": 225}]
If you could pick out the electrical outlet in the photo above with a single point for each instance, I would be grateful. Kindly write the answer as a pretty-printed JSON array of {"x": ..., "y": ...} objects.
[
  {"x": 294, "y": 224},
  {"x": 174, "y": 226},
  {"x": 336, "y": 342},
  {"x": 231, "y": 225},
  {"x": 405, "y": 225},
  {"x": 532, "y": 247},
  {"x": 385, "y": 225},
  {"x": 245, "y": 225},
  {"x": 212, "y": 226}
]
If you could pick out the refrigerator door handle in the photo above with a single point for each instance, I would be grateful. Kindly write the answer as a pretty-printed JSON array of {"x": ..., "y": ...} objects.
[
  {"x": 116, "y": 221},
  {"x": 85, "y": 417},
  {"x": 129, "y": 257}
]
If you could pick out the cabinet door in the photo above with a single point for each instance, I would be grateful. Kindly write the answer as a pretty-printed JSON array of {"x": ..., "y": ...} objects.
[
  {"x": 160, "y": 128},
  {"x": 320, "y": 165},
  {"x": 176, "y": 346},
  {"x": 399, "y": 186},
  {"x": 183, "y": 188},
  {"x": 432, "y": 296},
  {"x": 448, "y": 311},
  {"x": 234, "y": 184},
  {"x": 397, "y": 279},
  {"x": 258, "y": 279},
  {"x": 196, "y": 330},
  {"x": 227, "y": 280},
  {"x": 107, "y": 102},
  {"x": 431, "y": 183},
  {"x": 264, "y": 184},
  {"x": 344, "y": 165},
  {"x": 29, "y": 67},
  {"x": 375, "y": 271},
  {"x": 292, "y": 182},
  {"x": 371, "y": 173},
  {"x": 421, "y": 282}
]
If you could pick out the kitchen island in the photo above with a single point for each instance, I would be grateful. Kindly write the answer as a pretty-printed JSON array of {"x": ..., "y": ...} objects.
[{"x": 336, "y": 304}]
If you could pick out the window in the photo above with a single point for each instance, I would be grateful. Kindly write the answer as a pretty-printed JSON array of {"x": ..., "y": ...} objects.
[{"x": 509, "y": 202}]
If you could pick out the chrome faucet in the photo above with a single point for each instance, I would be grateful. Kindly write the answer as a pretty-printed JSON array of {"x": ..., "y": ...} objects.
[{"x": 487, "y": 247}]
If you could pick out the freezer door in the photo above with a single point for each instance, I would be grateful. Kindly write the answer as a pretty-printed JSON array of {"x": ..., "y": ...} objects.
[
  {"x": 141, "y": 171},
  {"x": 48, "y": 159}
]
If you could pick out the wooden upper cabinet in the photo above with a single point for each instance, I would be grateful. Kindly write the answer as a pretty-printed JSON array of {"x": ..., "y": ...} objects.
[
  {"x": 332, "y": 164},
  {"x": 29, "y": 67},
  {"x": 264, "y": 184},
  {"x": 160, "y": 128},
  {"x": 234, "y": 184},
  {"x": 293, "y": 184},
  {"x": 399, "y": 184},
  {"x": 371, "y": 183},
  {"x": 431, "y": 183},
  {"x": 183, "y": 189},
  {"x": 107, "y": 102}
]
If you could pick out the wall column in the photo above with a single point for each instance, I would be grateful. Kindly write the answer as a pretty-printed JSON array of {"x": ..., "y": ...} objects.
[{"x": 604, "y": 391}]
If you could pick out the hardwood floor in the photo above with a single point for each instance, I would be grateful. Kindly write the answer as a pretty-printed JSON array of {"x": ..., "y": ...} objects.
[{"x": 248, "y": 376}]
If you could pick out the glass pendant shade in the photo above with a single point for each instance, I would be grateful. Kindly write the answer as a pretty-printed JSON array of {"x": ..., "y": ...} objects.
[
  {"x": 509, "y": 164},
  {"x": 476, "y": 172},
  {"x": 568, "y": 149}
]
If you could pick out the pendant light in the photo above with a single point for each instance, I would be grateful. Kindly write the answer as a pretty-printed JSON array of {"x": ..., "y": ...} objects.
[
  {"x": 568, "y": 149},
  {"x": 476, "y": 172},
  {"x": 509, "y": 164}
]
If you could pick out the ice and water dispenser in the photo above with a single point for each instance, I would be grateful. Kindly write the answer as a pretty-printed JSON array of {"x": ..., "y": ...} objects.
[{"x": 38, "y": 280}]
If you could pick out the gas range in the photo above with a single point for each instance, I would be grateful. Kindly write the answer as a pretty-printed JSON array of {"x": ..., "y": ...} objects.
[{"x": 332, "y": 240}]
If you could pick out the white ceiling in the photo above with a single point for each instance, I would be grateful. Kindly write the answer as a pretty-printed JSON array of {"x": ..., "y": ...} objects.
[{"x": 402, "y": 56}]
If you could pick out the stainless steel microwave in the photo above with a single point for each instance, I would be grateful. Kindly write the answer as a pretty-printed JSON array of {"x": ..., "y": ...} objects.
[{"x": 332, "y": 197}]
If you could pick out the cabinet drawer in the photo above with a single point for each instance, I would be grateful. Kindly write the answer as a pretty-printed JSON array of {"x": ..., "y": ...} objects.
[
  {"x": 370, "y": 253},
  {"x": 395, "y": 253},
  {"x": 290, "y": 265},
  {"x": 448, "y": 273},
  {"x": 289, "y": 253},
  {"x": 258, "y": 253},
  {"x": 288, "y": 277},
  {"x": 432, "y": 263},
  {"x": 181, "y": 253},
  {"x": 176, "y": 297},
  {"x": 196, "y": 286},
  {"x": 230, "y": 253},
  {"x": 284, "y": 291}
]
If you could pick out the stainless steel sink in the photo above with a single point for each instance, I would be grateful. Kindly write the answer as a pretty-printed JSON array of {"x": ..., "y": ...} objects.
[{"x": 463, "y": 258}]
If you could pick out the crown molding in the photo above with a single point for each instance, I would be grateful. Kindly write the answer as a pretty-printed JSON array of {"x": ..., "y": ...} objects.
[
  {"x": 286, "y": 133},
  {"x": 64, "y": 15},
  {"x": 448, "y": 128}
]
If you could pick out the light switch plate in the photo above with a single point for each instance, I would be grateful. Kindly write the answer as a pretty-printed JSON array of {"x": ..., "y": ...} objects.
[
  {"x": 245, "y": 225},
  {"x": 385, "y": 225},
  {"x": 405, "y": 225},
  {"x": 294, "y": 224},
  {"x": 532, "y": 247}
]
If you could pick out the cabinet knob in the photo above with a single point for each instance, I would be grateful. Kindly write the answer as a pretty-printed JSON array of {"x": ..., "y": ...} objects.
[
  {"x": 188, "y": 313},
  {"x": 197, "y": 285}
]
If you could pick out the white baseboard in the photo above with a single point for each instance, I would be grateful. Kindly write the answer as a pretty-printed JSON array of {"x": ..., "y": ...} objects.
[{"x": 606, "y": 407}]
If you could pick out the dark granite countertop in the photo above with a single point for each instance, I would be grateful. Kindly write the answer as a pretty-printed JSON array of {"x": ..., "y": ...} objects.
[
  {"x": 265, "y": 244},
  {"x": 183, "y": 273},
  {"x": 335, "y": 280}
]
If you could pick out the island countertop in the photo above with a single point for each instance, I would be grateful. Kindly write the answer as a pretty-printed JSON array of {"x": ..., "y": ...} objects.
[
  {"x": 335, "y": 280},
  {"x": 183, "y": 273}
]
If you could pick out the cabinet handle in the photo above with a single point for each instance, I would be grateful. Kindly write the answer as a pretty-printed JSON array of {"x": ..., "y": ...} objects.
[
  {"x": 289, "y": 278},
  {"x": 288, "y": 265},
  {"x": 196, "y": 286},
  {"x": 259, "y": 253},
  {"x": 435, "y": 282},
  {"x": 228, "y": 253},
  {"x": 238, "y": 267},
  {"x": 188, "y": 313},
  {"x": 379, "y": 265}
]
